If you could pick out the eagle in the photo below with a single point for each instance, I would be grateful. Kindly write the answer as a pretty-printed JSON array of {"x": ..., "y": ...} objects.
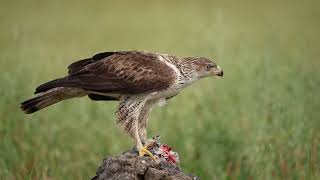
[{"x": 137, "y": 79}]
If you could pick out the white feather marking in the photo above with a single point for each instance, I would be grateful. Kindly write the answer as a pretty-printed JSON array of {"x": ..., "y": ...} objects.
[{"x": 176, "y": 70}]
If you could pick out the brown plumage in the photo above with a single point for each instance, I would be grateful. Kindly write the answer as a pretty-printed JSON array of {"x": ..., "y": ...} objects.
[{"x": 137, "y": 79}]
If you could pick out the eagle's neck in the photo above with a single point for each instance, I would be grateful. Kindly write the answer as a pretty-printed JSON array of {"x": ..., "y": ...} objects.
[{"x": 187, "y": 73}]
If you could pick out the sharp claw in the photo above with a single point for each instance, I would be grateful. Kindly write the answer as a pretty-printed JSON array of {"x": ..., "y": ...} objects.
[{"x": 144, "y": 151}]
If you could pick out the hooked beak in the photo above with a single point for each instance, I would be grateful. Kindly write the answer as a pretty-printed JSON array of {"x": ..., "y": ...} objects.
[{"x": 218, "y": 71}]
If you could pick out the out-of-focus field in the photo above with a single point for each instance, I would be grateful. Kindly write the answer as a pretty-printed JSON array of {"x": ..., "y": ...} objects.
[{"x": 260, "y": 121}]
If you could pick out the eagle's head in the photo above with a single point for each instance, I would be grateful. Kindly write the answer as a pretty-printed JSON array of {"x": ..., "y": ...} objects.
[{"x": 204, "y": 67}]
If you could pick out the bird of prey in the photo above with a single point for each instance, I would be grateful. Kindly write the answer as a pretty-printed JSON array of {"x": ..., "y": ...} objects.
[{"x": 136, "y": 79}]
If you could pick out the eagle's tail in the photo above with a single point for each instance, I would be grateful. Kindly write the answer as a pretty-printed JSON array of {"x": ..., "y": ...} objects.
[
  {"x": 67, "y": 81},
  {"x": 50, "y": 97}
]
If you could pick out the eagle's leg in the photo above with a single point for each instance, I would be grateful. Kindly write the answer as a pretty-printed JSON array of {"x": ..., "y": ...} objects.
[
  {"x": 141, "y": 149},
  {"x": 130, "y": 111},
  {"x": 143, "y": 135},
  {"x": 142, "y": 130},
  {"x": 143, "y": 121}
]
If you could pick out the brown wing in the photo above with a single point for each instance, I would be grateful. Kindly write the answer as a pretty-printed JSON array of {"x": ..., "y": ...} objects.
[
  {"x": 76, "y": 66},
  {"x": 129, "y": 72}
]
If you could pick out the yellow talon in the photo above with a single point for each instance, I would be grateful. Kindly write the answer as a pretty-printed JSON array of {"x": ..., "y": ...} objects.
[{"x": 144, "y": 151}]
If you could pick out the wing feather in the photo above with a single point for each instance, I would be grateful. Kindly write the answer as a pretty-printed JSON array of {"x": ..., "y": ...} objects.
[
  {"x": 82, "y": 63},
  {"x": 129, "y": 72}
]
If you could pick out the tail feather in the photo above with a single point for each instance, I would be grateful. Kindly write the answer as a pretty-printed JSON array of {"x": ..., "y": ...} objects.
[
  {"x": 37, "y": 103},
  {"x": 50, "y": 97},
  {"x": 61, "y": 82}
]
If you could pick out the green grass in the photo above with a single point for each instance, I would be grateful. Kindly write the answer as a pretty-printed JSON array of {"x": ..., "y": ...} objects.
[{"x": 260, "y": 121}]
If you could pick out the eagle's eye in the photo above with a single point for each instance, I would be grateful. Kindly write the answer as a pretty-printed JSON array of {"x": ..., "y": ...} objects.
[{"x": 209, "y": 66}]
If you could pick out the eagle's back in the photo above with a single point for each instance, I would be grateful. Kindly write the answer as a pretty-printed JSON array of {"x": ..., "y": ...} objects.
[{"x": 123, "y": 72}]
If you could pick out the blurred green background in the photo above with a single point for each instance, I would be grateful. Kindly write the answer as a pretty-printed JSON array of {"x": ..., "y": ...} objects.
[{"x": 260, "y": 121}]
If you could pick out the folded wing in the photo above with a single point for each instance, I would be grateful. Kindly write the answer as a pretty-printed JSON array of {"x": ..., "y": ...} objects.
[{"x": 122, "y": 73}]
